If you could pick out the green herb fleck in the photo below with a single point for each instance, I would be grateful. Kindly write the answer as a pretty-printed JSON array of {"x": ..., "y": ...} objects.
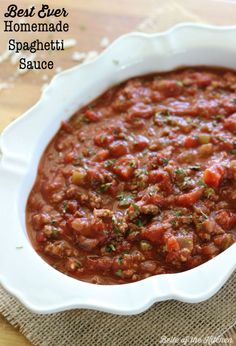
[
  {"x": 78, "y": 264},
  {"x": 120, "y": 260},
  {"x": 164, "y": 249},
  {"x": 124, "y": 199},
  {"x": 202, "y": 183},
  {"x": 116, "y": 230},
  {"x": 139, "y": 223},
  {"x": 105, "y": 187},
  {"x": 19, "y": 247},
  {"x": 132, "y": 163},
  {"x": 102, "y": 138},
  {"x": 119, "y": 273},
  {"x": 65, "y": 206},
  {"x": 186, "y": 183},
  {"x": 145, "y": 245},
  {"x": 219, "y": 116},
  {"x": 140, "y": 172},
  {"x": 179, "y": 171},
  {"x": 209, "y": 192},
  {"x": 110, "y": 248},
  {"x": 136, "y": 209},
  {"x": 78, "y": 161},
  {"x": 55, "y": 232},
  {"x": 164, "y": 160},
  {"x": 203, "y": 214},
  {"x": 109, "y": 163}
]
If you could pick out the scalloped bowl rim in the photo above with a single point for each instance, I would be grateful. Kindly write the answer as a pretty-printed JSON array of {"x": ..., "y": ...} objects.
[{"x": 18, "y": 168}]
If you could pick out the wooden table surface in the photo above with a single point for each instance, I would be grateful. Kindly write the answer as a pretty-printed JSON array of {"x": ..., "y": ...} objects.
[{"x": 90, "y": 21}]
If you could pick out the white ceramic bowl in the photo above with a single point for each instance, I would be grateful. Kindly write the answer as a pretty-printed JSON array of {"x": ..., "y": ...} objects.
[{"x": 22, "y": 271}]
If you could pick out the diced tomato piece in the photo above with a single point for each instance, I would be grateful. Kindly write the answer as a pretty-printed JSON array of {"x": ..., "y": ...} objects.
[
  {"x": 162, "y": 178},
  {"x": 156, "y": 160},
  {"x": 124, "y": 172},
  {"x": 103, "y": 140},
  {"x": 124, "y": 246},
  {"x": 68, "y": 158},
  {"x": 226, "y": 219},
  {"x": 113, "y": 189},
  {"x": 168, "y": 87},
  {"x": 157, "y": 176},
  {"x": 156, "y": 96},
  {"x": 82, "y": 226},
  {"x": 101, "y": 155},
  {"x": 39, "y": 220},
  {"x": 153, "y": 233},
  {"x": 40, "y": 237},
  {"x": 212, "y": 227},
  {"x": 92, "y": 115},
  {"x": 230, "y": 123},
  {"x": 210, "y": 250},
  {"x": 190, "y": 142},
  {"x": 223, "y": 241},
  {"x": 190, "y": 198},
  {"x": 195, "y": 261},
  {"x": 202, "y": 79},
  {"x": 87, "y": 244},
  {"x": 94, "y": 177},
  {"x": 172, "y": 244},
  {"x": 103, "y": 263},
  {"x": 156, "y": 199},
  {"x": 213, "y": 175},
  {"x": 66, "y": 126},
  {"x": 119, "y": 148},
  {"x": 185, "y": 241},
  {"x": 98, "y": 226},
  {"x": 141, "y": 142},
  {"x": 72, "y": 206},
  {"x": 88, "y": 228},
  {"x": 141, "y": 110}
]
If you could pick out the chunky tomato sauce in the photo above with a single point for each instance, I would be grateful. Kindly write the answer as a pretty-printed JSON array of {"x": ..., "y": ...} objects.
[{"x": 142, "y": 181}]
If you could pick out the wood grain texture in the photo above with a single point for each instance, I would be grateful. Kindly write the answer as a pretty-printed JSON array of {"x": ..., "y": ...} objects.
[
  {"x": 90, "y": 20},
  {"x": 10, "y": 336}
]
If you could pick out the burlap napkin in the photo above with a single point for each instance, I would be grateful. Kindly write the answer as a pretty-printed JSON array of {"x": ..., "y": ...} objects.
[{"x": 167, "y": 323}]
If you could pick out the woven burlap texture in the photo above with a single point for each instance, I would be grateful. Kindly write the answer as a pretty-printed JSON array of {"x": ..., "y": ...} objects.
[
  {"x": 85, "y": 328},
  {"x": 172, "y": 319}
]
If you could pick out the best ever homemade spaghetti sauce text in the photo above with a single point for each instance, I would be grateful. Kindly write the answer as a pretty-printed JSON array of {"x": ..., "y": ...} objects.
[{"x": 142, "y": 181}]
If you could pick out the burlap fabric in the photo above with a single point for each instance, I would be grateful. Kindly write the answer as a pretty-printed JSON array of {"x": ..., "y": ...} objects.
[
  {"x": 171, "y": 319},
  {"x": 167, "y": 323}
]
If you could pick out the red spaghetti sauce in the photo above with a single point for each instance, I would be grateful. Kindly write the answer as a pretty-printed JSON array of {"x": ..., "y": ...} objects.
[{"x": 142, "y": 181}]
